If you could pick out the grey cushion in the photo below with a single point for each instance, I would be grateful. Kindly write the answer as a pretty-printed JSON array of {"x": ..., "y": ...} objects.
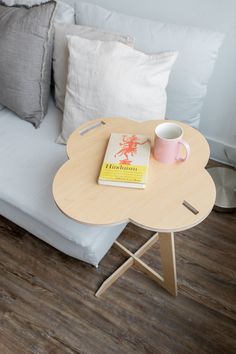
[
  {"x": 27, "y": 3},
  {"x": 25, "y": 60}
]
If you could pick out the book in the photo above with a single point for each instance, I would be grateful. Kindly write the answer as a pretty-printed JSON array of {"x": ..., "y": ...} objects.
[{"x": 126, "y": 161}]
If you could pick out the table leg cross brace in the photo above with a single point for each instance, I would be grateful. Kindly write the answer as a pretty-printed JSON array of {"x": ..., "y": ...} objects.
[{"x": 167, "y": 257}]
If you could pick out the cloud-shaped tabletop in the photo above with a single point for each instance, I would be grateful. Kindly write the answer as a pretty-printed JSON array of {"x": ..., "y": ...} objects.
[{"x": 158, "y": 207}]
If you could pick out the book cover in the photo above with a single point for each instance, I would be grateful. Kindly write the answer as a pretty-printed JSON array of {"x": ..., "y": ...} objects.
[{"x": 126, "y": 161}]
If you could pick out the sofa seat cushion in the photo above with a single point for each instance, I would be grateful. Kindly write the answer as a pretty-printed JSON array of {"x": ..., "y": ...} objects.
[{"x": 29, "y": 159}]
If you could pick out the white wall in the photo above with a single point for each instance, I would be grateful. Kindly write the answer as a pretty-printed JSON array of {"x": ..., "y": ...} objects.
[{"x": 218, "y": 120}]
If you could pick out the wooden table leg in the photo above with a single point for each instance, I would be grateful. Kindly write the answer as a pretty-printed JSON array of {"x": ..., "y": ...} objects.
[
  {"x": 167, "y": 250},
  {"x": 112, "y": 278},
  {"x": 127, "y": 264}
]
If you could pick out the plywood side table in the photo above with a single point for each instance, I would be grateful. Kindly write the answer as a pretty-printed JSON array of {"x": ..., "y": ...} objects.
[{"x": 177, "y": 197}]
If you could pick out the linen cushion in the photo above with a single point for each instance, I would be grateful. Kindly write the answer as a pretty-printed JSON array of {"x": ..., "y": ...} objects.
[
  {"x": 65, "y": 13},
  {"x": 60, "y": 53},
  {"x": 27, "y": 3},
  {"x": 112, "y": 79},
  {"x": 198, "y": 50},
  {"x": 25, "y": 62}
]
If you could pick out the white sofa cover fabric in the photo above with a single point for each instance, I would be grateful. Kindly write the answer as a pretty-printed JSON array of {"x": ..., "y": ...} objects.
[{"x": 29, "y": 159}]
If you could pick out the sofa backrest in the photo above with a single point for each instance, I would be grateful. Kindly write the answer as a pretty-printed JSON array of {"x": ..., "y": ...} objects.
[{"x": 218, "y": 118}]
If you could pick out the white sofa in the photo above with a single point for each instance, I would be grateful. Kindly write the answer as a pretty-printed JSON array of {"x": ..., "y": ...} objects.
[{"x": 29, "y": 159}]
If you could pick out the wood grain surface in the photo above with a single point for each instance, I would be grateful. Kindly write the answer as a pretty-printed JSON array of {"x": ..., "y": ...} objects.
[
  {"x": 47, "y": 302},
  {"x": 159, "y": 207}
]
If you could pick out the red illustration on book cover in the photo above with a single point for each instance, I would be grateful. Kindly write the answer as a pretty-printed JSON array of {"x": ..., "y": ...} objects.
[{"x": 129, "y": 146}]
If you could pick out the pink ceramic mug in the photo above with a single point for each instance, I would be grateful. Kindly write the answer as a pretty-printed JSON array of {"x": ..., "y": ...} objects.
[{"x": 168, "y": 140}]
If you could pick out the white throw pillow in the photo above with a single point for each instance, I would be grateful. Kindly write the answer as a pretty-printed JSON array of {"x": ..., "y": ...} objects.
[
  {"x": 108, "y": 79},
  {"x": 60, "y": 53},
  {"x": 198, "y": 50}
]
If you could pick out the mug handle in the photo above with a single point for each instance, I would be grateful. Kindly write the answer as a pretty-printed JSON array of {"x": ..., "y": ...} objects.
[{"x": 187, "y": 148}]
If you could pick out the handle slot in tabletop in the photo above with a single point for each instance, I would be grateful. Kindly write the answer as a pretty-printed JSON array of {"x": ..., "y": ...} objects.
[{"x": 93, "y": 126}]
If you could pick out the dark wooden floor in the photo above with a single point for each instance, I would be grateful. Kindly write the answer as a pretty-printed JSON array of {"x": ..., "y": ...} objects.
[{"x": 47, "y": 302}]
